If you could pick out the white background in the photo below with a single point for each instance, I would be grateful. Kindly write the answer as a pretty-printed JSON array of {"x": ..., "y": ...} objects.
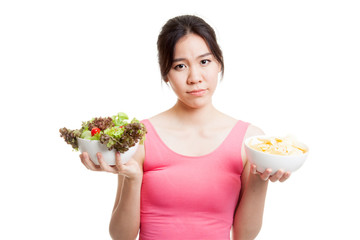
[{"x": 290, "y": 67}]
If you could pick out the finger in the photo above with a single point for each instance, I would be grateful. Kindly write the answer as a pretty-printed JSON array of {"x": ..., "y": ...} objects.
[
  {"x": 266, "y": 174},
  {"x": 118, "y": 163},
  {"x": 103, "y": 165},
  {"x": 90, "y": 164},
  {"x": 277, "y": 175},
  {"x": 120, "y": 167},
  {"x": 285, "y": 177},
  {"x": 253, "y": 169},
  {"x": 82, "y": 161}
]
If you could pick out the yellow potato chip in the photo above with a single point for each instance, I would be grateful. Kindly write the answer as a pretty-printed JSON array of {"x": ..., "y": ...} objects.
[{"x": 278, "y": 146}]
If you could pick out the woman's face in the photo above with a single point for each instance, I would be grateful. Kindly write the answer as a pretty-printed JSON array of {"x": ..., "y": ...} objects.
[{"x": 194, "y": 72}]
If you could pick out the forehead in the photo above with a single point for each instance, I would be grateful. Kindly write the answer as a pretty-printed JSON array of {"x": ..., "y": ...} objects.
[{"x": 190, "y": 45}]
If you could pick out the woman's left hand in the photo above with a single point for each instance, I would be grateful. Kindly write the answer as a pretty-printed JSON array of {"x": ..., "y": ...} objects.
[{"x": 280, "y": 175}]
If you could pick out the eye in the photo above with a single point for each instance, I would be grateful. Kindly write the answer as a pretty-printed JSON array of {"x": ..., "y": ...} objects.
[
  {"x": 205, "y": 62},
  {"x": 179, "y": 67}
]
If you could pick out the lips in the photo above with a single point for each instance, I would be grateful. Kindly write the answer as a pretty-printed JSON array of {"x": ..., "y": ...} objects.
[{"x": 197, "y": 92}]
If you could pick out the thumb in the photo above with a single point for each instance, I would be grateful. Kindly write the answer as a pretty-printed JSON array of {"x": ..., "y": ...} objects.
[
  {"x": 253, "y": 169},
  {"x": 118, "y": 163}
]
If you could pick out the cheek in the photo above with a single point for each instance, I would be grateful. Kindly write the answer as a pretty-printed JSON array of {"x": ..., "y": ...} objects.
[
  {"x": 176, "y": 81},
  {"x": 213, "y": 77},
  {"x": 175, "y": 86}
]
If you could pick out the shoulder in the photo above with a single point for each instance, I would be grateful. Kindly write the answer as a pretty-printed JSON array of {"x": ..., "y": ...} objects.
[
  {"x": 225, "y": 120},
  {"x": 253, "y": 131},
  {"x": 161, "y": 119}
]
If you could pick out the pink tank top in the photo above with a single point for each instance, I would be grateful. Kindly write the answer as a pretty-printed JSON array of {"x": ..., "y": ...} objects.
[{"x": 186, "y": 197}]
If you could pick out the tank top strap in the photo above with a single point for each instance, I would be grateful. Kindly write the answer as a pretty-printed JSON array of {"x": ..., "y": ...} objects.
[
  {"x": 151, "y": 132},
  {"x": 232, "y": 145},
  {"x": 155, "y": 151},
  {"x": 237, "y": 134}
]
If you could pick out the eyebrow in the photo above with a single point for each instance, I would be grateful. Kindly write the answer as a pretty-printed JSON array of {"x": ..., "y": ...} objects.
[{"x": 200, "y": 56}]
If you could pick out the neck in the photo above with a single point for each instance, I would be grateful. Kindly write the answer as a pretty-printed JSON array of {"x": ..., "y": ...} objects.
[{"x": 186, "y": 115}]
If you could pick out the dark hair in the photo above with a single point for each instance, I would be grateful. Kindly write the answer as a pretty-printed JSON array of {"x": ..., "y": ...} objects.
[{"x": 178, "y": 27}]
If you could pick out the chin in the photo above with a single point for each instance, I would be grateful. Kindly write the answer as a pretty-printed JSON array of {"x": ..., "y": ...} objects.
[{"x": 197, "y": 103}]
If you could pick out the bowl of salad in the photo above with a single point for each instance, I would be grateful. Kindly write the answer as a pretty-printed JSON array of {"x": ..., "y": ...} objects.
[{"x": 107, "y": 135}]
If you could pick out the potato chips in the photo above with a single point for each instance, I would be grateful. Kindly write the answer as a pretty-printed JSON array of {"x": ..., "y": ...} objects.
[{"x": 278, "y": 146}]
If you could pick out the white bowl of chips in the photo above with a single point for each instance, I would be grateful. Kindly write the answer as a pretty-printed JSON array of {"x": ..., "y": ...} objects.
[
  {"x": 275, "y": 153},
  {"x": 94, "y": 146}
]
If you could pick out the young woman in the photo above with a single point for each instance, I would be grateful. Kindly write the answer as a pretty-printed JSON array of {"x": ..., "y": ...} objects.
[{"x": 191, "y": 179}]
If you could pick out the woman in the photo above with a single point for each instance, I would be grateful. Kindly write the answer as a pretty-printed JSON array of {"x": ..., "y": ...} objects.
[{"x": 191, "y": 179}]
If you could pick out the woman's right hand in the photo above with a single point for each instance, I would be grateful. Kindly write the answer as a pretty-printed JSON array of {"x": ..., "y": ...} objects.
[{"x": 131, "y": 169}]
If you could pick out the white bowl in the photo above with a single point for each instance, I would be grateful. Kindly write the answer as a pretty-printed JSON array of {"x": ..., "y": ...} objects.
[
  {"x": 264, "y": 160},
  {"x": 94, "y": 146}
]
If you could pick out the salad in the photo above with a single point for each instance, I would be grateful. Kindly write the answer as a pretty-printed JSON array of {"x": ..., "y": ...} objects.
[{"x": 115, "y": 132}]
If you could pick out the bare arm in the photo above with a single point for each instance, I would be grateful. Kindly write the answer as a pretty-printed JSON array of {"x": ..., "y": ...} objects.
[
  {"x": 125, "y": 219},
  {"x": 121, "y": 179},
  {"x": 249, "y": 213}
]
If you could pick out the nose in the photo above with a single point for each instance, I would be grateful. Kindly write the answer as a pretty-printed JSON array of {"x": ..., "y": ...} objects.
[{"x": 194, "y": 76}]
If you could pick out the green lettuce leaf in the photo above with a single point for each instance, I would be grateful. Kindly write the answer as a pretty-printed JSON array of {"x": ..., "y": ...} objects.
[
  {"x": 120, "y": 119},
  {"x": 115, "y": 132}
]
